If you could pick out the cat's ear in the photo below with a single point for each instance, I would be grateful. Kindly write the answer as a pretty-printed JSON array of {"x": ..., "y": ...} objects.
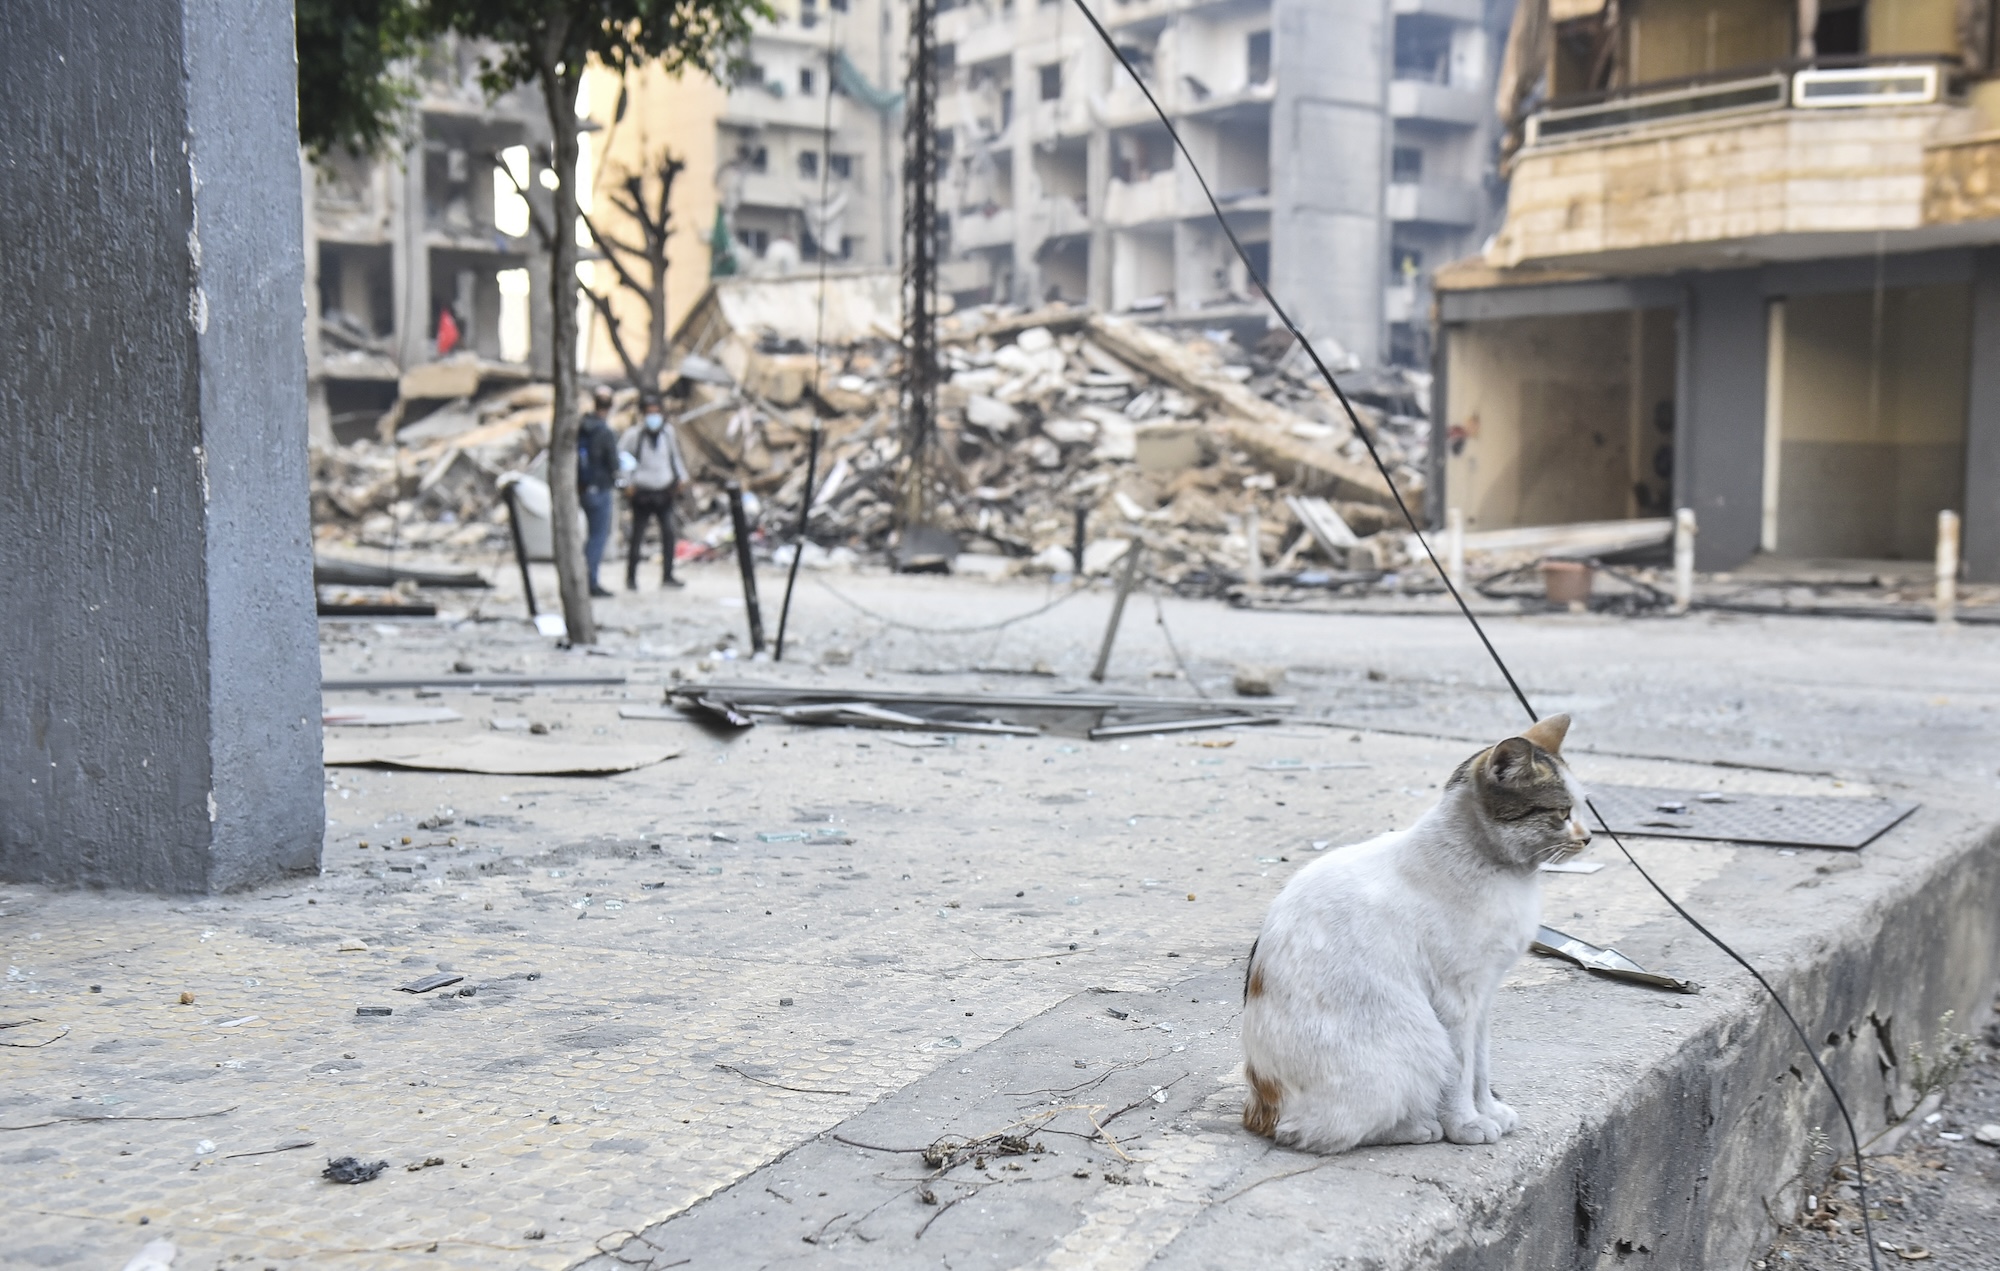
[
  {"x": 1509, "y": 761},
  {"x": 1549, "y": 733}
]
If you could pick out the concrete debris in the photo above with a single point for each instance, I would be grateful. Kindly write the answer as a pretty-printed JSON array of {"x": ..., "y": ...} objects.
[
  {"x": 350, "y": 1169},
  {"x": 442, "y": 979},
  {"x": 1046, "y": 417},
  {"x": 1258, "y": 681}
]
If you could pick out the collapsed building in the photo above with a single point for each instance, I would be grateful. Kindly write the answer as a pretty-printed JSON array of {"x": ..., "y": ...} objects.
[
  {"x": 424, "y": 281},
  {"x": 1750, "y": 265},
  {"x": 1053, "y": 423}
]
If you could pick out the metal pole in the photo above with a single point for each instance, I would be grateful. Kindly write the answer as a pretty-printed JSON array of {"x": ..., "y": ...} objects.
[
  {"x": 1117, "y": 609},
  {"x": 920, "y": 235},
  {"x": 520, "y": 548},
  {"x": 1076, "y": 543},
  {"x": 1684, "y": 532},
  {"x": 740, "y": 525},
  {"x": 1947, "y": 568},
  {"x": 799, "y": 539}
]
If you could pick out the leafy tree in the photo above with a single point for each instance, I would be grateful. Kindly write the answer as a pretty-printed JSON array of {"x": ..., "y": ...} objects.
[
  {"x": 351, "y": 94},
  {"x": 548, "y": 43}
]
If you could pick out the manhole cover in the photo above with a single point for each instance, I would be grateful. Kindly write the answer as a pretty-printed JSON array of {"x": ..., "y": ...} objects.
[{"x": 1778, "y": 820}]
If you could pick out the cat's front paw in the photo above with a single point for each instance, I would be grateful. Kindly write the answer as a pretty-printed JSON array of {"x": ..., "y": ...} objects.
[
  {"x": 1472, "y": 1129},
  {"x": 1502, "y": 1115}
]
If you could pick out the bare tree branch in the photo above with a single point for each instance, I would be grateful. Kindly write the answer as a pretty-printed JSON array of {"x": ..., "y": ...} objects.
[
  {"x": 611, "y": 258},
  {"x": 603, "y": 306}
]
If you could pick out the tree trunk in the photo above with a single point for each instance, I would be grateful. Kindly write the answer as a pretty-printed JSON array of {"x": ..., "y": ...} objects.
[
  {"x": 657, "y": 232},
  {"x": 559, "y": 89}
]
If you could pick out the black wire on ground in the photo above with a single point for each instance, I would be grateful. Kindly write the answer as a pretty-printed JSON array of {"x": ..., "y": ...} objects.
[{"x": 1368, "y": 442}]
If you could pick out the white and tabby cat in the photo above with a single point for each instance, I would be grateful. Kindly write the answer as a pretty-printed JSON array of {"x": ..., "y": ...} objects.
[{"x": 1369, "y": 995}]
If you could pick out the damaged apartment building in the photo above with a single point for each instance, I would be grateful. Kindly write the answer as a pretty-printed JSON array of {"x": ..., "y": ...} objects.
[
  {"x": 1349, "y": 142},
  {"x": 1750, "y": 265},
  {"x": 787, "y": 190},
  {"x": 420, "y": 264}
]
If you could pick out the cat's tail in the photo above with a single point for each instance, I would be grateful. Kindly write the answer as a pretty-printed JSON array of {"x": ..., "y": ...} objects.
[{"x": 1262, "y": 1108}]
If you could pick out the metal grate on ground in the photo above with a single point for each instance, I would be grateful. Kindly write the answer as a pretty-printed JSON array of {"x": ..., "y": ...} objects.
[{"x": 1768, "y": 819}]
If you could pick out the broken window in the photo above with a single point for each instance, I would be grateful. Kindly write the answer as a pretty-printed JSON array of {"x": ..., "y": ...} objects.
[
  {"x": 842, "y": 165},
  {"x": 1423, "y": 47},
  {"x": 1406, "y": 165},
  {"x": 808, "y": 163},
  {"x": 1259, "y": 56},
  {"x": 805, "y": 81},
  {"x": 1051, "y": 81}
]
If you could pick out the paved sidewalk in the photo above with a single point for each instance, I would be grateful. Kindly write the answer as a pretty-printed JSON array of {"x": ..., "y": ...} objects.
[{"x": 662, "y": 1001}]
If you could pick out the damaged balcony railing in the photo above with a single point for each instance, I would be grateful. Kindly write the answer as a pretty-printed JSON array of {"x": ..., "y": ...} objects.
[{"x": 1799, "y": 86}]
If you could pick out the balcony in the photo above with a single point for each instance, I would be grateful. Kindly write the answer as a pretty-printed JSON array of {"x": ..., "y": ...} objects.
[
  {"x": 971, "y": 231},
  {"x": 1422, "y": 102},
  {"x": 1432, "y": 202},
  {"x": 754, "y": 106},
  {"x": 1700, "y": 175},
  {"x": 768, "y": 189},
  {"x": 1157, "y": 198}
]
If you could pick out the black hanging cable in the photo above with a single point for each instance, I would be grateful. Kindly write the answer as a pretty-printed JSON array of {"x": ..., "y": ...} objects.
[
  {"x": 819, "y": 348},
  {"x": 1367, "y": 441}
]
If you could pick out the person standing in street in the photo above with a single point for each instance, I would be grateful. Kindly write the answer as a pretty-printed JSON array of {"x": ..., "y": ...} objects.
[
  {"x": 655, "y": 479},
  {"x": 596, "y": 479}
]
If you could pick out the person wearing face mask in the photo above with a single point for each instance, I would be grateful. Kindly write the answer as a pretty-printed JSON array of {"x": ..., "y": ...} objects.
[{"x": 656, "y": 475}]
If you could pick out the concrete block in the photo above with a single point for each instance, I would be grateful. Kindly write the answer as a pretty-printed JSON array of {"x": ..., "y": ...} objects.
[
  {"x": 159, "y": 699},
  {"x": 441, "y": 380},
  {"x": 1174, "y": 447}
]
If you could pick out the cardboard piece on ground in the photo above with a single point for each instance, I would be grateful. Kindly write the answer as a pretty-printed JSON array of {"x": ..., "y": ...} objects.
[
  {"x": 384, "y": 716},
  {"x": 497, "y": 755}
]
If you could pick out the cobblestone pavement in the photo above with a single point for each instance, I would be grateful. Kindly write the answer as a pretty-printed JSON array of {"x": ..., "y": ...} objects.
[{"x": 664, "y": 987}]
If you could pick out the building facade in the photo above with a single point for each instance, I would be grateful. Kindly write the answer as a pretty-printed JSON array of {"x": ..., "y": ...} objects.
[
  {"x": 1750, "y": 265},
  {"x": 396, "y": 243},
  {"x": 1349, "y": 142},
  {"x": 763, "y": 178}
]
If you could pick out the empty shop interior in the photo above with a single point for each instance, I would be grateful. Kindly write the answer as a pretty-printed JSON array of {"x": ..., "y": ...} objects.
[{"x": 1811, "y": 411}]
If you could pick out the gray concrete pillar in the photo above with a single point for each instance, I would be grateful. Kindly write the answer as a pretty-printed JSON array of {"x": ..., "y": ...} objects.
[
  {"x": 159, "y": 691},
  {"x": 1981, "y": 545},
  {"x": 1719, "y": 432},
  {"x": 1329, "y": 151}
]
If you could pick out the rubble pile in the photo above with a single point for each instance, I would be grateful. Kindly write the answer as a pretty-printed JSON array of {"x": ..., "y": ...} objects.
[
  {"x": 438, "y": 482},
  {"x": 1186, "y": 441},
  {"x": 1049, "y": 415}
]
